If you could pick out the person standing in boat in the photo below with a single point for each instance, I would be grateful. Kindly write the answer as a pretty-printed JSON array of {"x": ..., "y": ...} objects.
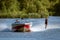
[{"x": 46, "y": 22}]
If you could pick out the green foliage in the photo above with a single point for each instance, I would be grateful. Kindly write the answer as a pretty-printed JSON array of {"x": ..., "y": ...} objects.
[
  {"x": 29, "y": 8},
  {"x": 57, "y": 9}
]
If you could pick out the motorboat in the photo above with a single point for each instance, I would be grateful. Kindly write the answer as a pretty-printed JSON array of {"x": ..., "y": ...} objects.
[{"x": 19, "y": 27}]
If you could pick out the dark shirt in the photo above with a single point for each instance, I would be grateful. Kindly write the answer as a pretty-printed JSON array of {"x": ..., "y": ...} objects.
[{"x": 46, "y": 21}]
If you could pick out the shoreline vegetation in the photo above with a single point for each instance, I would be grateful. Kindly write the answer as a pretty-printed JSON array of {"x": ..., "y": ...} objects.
[{"x": 29, "y": 8}]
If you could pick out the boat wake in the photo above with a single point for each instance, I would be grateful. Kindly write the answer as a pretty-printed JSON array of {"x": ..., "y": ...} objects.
[
  {"x": 37, "y": 28},
  {"x": 42, "y": 28},
  {"x": 3, "y": 26}
]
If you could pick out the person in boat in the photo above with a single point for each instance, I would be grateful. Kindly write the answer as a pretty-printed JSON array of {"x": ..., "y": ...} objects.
[
  {"x": 46, "y": 22},
  {"x": 17, "y": 22}
]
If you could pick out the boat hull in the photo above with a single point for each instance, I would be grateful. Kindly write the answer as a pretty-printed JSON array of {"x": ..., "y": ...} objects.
[{"x": 21, "y": 28}]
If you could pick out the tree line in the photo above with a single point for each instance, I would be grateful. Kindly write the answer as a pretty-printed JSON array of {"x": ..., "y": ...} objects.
[{"x": 29, "y": 8}]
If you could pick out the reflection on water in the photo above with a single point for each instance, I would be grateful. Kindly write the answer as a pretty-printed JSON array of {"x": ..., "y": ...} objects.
[{"x": 37, "y": 24}]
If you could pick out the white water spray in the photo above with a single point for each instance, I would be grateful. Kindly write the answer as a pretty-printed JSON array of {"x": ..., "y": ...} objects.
[
  {"x": 3, "y": 26},
  {"x": 38, "y": 28},
  {"x": 42, "y": 27}
]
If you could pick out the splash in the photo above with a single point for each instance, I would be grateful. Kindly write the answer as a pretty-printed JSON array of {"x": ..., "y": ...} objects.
[
  {"x": 3, "y": 26},
  {"x": 38, "y": 28},
  {"x": 42, "y": 27}
]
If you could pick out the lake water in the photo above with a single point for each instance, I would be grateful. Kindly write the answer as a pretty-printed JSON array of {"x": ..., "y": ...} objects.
[{"x": 38, "y": 29}]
